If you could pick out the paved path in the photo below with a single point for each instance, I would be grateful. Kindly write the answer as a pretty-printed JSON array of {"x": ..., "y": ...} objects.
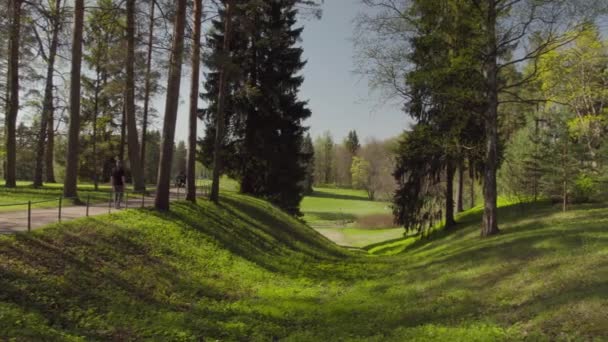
[{"x": 17, "y": 221}]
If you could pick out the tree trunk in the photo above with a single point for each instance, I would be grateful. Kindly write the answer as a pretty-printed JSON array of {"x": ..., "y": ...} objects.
[
  {"x": 196, "y": 61},
  {"x": 472, "y": 179},
  {"x": 219, "y": 128},
  {"x": 144, "y": 125},
  {"x": 460, "y": 193},
  {"x": 490, "y": 225},
  {"x": 123, "y": 131},
  {"x": 132, "y": 135},
  {"x": 449, "y": 195},
  {"x": 71, "y": 171},
  {"x": 49, "y": 157},
  {"x": 95, "y": 115},
  {"x": 161, "y": 202},
  {"x": 13, "y": 98},
  {"x": 565, "y": 180},
  {"x": 47, "y": 106}
]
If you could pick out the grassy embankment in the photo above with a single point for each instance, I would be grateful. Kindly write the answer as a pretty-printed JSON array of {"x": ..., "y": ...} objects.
[
  {"x": 349, "y": 218},
  {"x": 246, "y": 271}
]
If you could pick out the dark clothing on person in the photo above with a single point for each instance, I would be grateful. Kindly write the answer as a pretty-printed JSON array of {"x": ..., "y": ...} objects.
[{"x": 117, "y": 175}]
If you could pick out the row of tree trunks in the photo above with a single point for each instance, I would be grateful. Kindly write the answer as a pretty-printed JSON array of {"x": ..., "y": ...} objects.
[
  {"x": 161, "y": 201},
  {"x": 13, "y": 95},
  {"x": 219, "y": 136},
  {"x": 194, "y": 95}
]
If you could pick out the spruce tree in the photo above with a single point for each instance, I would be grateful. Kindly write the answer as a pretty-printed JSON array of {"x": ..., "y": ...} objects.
[{"x": 265, "y": 132}]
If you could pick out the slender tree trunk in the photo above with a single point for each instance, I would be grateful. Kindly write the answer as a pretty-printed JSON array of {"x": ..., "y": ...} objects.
[
  {"x": 71, "y": 171},
  {"x": 123, "y": 132},
  {"x": 449, "y": 196},
  {"x": 13, "y": 98},
  {"x": 95, "y": 115},
  {"x": 565, "y": 181},
  {"x": 49, "y": 158},
  {"x": 472, "y": 187},
  {"x": 144, "y": 125},
  {"x": 219, "y": 129},
  {"x": 460, "y": 192},
  {"x": 196, "y": 61},
  {"x": 47, "y": 106},
  {"x": 490, "y": 225},
  {"x": 161, "y": 202},
  {"x": 132, "y": 135}
]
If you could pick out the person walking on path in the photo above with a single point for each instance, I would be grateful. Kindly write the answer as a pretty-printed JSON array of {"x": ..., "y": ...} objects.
[{"x": 118, "y": 183}]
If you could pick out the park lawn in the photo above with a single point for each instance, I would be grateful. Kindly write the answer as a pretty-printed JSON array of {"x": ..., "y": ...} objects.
[
  {"x": 244, "y": 270},
  {"x": 12, "y": 199},
  {"x": 357, "y": 237},
  {"x": 334, "y": 212},
  {"x": 334, "y": 204},
  {"x": 15, "y": 199}
]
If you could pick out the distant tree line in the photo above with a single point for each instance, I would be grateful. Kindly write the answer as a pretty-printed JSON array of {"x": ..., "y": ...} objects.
[{"x": 351, "y": 164}]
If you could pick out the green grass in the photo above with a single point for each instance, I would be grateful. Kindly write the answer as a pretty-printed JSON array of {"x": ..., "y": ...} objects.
[
  {"x": 47, "y": 196},
  {"x": 334, "y": 212},
  {"x": 246, "y": 271},
  {"x": 330, "y": 204}
]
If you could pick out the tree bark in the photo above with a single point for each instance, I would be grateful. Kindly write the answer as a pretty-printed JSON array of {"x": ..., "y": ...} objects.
[
  {"x": 123, "y": 131},
  {"x": 95, "y": 115},
  {"x": 144, "y": 125},
  {"x": 71, "y": 171},
  {"x": 472, "y": 187},
  {"x": 132, "y": 135},
  {"x": 449, "y": 196},
  {"x": 219, "y": 128},
  {"x": 196, "y": 61},
  {"x": 161, "y": 201},
  {"x": 460, "y": 192},
  {"x": 47, "y": 106},
  {"x": 490, "y": 225},
  {"x": 49, "y": 157},
  {"x": 13, "y": 98}
]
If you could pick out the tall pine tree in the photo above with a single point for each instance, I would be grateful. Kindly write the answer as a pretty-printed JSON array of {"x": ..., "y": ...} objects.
[{"x": 262, "y": 146}]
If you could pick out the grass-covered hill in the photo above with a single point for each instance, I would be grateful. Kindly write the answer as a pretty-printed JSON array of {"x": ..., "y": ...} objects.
[{"x": 246, "y": 271}]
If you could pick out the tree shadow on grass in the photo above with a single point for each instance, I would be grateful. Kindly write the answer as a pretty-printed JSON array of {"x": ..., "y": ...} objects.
[
  {"x": 267, "y": 239},
  {"x": 331, "y": 195},
  {"x": 76, "y": 279},
  {"x": 332, "y": 216}
]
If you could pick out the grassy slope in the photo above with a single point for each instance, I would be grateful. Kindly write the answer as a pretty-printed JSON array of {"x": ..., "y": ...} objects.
[
  {"x": 247, "y": 271},
  {"x": 331, "y": 211}
]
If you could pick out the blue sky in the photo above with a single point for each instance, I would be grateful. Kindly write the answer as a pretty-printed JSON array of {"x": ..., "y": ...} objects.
[{"x": 339, "y": 99}]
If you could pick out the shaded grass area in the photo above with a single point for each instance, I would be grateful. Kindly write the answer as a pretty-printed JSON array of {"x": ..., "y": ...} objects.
[{"x": 246, "y": 271}]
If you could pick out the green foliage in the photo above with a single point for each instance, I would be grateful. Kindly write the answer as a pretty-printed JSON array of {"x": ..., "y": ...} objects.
[
  {"x": 361, "y": 172},
  {"x": 352, "y": 142},
  {"x": 265, "y": 129},
  {"x": 324, "y": 159}
]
